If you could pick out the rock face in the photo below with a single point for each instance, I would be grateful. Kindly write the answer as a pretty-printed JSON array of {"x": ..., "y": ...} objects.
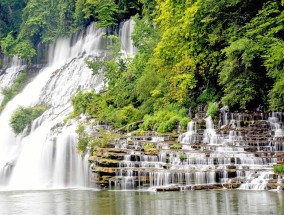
[{"x": 237, "y": 154}]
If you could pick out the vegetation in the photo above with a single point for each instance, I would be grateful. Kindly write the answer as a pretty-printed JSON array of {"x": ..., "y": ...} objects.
[
  {"x": 176, "y": 147},
  {"x": 278, "y": 169},
  {"x": 23, "y": 117},
  {"x": 11, "y": 92},
  {"x": 99, "y": 139},
  {"x": 149, "y": 146},
  {"x": 189, "y": 52},
  {"x": 182, "y": 157},
  {"x": 213, "y": 109},
  {"x": 26, "y": 23}
]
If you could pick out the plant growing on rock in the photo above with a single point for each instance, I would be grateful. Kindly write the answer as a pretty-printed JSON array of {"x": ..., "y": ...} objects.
[
  {"x": 93, "y": 139},
  {"x": 213, "y": 109},
  {"x": 10, "y": 92},
  {"x": 182, "y": 157},
  {"x": 278, "y": 169},
  {"x": 150, "y": 149},
  {"x": 149, "y": 146},
  {"x": 23, "y": 117},
  {"x": 176, "y": 146}
]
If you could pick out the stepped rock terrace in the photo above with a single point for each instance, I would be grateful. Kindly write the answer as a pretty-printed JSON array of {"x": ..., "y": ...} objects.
[{"x": 240, "y": 153}]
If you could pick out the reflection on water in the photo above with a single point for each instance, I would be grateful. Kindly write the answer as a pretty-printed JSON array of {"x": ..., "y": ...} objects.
[{"x": 106, "y": 203}]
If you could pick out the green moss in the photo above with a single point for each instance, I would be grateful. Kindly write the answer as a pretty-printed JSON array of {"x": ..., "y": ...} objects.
[{"x": 176, "y": 146}]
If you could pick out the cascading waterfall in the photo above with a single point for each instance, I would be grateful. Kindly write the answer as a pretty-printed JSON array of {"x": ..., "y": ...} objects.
[
  {"x": 46, "y": 157},
  {"x": 10, "y": 72},
  {"x": 210, "y": 135},
  {"x": 125, "y": 31},
  {"x": 209, "y": 157}
]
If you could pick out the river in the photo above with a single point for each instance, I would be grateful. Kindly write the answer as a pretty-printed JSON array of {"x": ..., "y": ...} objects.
[{"x": 85, "y": 202}]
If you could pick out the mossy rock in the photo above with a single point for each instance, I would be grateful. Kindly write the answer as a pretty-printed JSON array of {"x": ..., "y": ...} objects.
[
  {"x": 107, "y": 162},
  {"x": 176, "y": 146},
  {"x": 104, "y": 170},
  {"x": 151, "y": 151}
]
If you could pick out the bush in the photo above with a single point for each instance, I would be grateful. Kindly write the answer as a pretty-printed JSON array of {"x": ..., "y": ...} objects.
[
  {"x": 23, "y": 117},
  {"x": 149, "y": 146},
  {"x": 207, "y": 95},
  {"x": 182, "y": 157},
  {"x": 213, "y": 109},
  {"x": 176, "y": 146},
  {"x": 99, "y": 139},
  {"x": 278, "y": 169},
  {"x": 166, "y": 119},
  {"x": 11, "y": 92}
]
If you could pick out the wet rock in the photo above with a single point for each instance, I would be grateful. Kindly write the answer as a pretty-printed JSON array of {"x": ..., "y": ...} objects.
[
  {"x": 104, "y": 170},
  {"x": 167, "y": 189},
  {"x": 104, "y": 162},
  {"x": 151, "y": 151},
  {"x": 208, "y": 187}
]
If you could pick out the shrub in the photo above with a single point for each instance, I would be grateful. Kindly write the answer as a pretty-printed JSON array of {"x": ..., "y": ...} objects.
[
  {"x": 166, "y": 119},
  {"x": 23, "y": 117},
  {"x": 278, "y": 169},
  {"x": 182, "y": 157},
  {"x": 213, "y": 109},
  {"x": 11, "y": 92},
  {"x": 149, "y": 146},
  {"x": 207, "y": 95},
  {"x": 98, "y": 139},
  {"x": 176, "y": 146}
]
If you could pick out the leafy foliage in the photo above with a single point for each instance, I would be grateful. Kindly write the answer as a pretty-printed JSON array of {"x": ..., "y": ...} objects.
[
  {"x": 23, "y": 117},
  {"x": 213, "y": 109},
  {"x": 182, "y": 157},
  {"x": 279, "y": 169},
  {"x": 188, "y": 52},
  {"x": 11, "y": 92},
  {"x": 26, "y": 23},
  {"x": 98, "y": 139}
]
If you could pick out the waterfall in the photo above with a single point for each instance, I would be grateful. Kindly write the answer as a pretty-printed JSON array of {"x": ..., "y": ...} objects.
[
  {"x": 45, "y": 156},
  {"x": 240, "y": 153},
  {"x": 10, "y": 72},
  {"x": 126, "y": 29},
  {"x": 210, "y": 136},
  {"x": 188, "y": 137}
]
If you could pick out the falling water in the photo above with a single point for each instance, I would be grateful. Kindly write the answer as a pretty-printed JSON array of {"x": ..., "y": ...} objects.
[
  {"x": 236, "y": 153},
  {"x": 125, "y": 32},
  {"x": 210, "y": 135},
  {"x": 10, "y": 73},
  {"x": 46, "y": 155}
]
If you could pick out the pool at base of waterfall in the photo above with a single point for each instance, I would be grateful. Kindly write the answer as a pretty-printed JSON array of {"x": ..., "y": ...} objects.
[{"x": 68, "y": 201}]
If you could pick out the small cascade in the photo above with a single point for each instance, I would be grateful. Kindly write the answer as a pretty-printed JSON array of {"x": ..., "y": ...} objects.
[
  {"x": 189, "y": 136},
  {"x": 10, "y": 72},
  {"x": 210, "y": 136},
  {"x": 276, "y": 123},
  {"x": 45, "y": 156},
  {"x": 257, "y": 181},
  {"x": 240, "y": 154},
  {"x": 125, "y": 31}
]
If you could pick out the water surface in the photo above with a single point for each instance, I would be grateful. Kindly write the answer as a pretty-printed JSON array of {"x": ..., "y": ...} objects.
[{"x": 79, "y": 202}]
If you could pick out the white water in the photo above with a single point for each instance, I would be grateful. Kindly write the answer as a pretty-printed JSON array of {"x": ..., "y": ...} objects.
[
  {"x": 210, "y": 156},
  {"x": 126, "y": 29},
  {"x": 210, "y": 136},
  {"x": 46, "y": 157},
  {"x": 10, "y": 74}
]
